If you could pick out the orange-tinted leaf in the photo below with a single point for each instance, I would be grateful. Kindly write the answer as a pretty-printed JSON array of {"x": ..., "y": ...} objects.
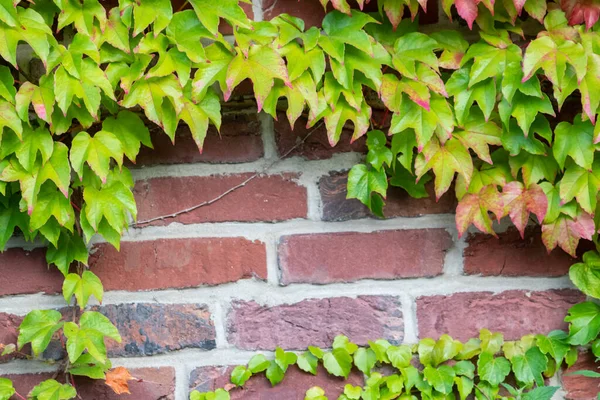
[
  {"x": 520, "y": 201},
  {"x": 566, "y": 232},
  {"x": 117, "y": 379},
  {"x": 474, "y": 208}
]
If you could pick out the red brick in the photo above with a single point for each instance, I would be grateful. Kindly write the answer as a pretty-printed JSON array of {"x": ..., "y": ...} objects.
[
  {"x": 293, "y": 387},
  {"x": 316, "y": 146},
  {"x": 350, "y": 256},
  {"x": 151, "y": 384},
  {"x": 509, "y": 255},
  {"x": 268, "y": 198},
  {"x": 238, "y": 141},
  {"x": 148, "y": 329},
  {"x": 580, "y": 387},
  {"x": 23, "y": 272},
  {"x": 398, "y": 203},
  {"x": 314, "y": 322},
  {"x": 9, "y": 325},
  {"x": 178, "y": 263},
  {"x": 514, "y": 313}
]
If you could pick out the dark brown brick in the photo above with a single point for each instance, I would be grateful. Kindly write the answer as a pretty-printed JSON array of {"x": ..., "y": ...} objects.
[
  {"x": 238, "y": 141},
  {"x": 350, "y": 256},
  {"x": 148, "y": 329},
  {"x": 316, "y": 146},
  {"x": 314, "y": 322},
  {"x": 293, "y": 387},
  {"x": 178, "y": 263},
  {"x": 151, "y": 384},
  {"x": 514, "y": 313},
  {"x": 509, "y": 255},
  {"x": 580, "y": 387},
  {"x": 398, "y": 203},
  {"x": 268, "y": 198},
  {"x": 23, "y": 272}
]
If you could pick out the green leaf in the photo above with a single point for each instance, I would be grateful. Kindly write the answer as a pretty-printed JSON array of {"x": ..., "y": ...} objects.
[
  {"x": 307, "y": 362},
  {"x": 341, "y": 29},
  {"x": 52, "y": 203},
  {"x": 493, "y": 369},
  {"x": 284, "y": 359},
  {"x": 37, "y": 328},
  {"x": 258, "y": 363},
  {"x": 445, "y": 349},
  {"x": 478, "y": 134},
  {"x": 93, "y": 320},
  {"x": 96, "y": 151},
  {"x": 240, "y": 375},
  {"x": 586, "y": 275},
  {"x": 365, "y": 360},
  {"x": 82, "y": 287},
  {"x": 584, "y": 320},
  {"x": 364, "y": 181},
  {"x": 186, "y": 31},
  {"x": 576, "y": 141},
  {"x": 412, "y": 48},
  {"x": 147, "y": 12},
  {"x": 82, "y": 15},
  {"x": 315, "y": 393},
  {"x": 581, "y": 184},
  {"x": 215, "y": 71},
  {"x": 540, "y": 393},
  {"x": 464, "y": 385},
  {"x": 441, "y": 378},
  {"x": 6, "y": 389},
  {"x": 210, "y": 12},
  {"x": 399, "y": 356},
  {"x": 79, "y": 340},
  {"x": 70, "y": 248},
  {"x": 114, "y": 202},
  {"x": 274, "y": 373},
  {"x": 198, "y": 115},
  {"x": 38, "y": 35},
  {"x": 528, "y": 368},
  {"x": 338, "y": 362},
  {"x": 52, "y": 390},
  {"x": 131, "y": 132},
  {"x": 554, "y": 344}
]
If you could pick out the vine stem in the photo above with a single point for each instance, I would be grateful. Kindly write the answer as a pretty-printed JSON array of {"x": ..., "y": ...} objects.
[
  {"x": 231, "y": 189},
  {"x": 481, "y": 391},
  {"x": 19, "y": 396}
]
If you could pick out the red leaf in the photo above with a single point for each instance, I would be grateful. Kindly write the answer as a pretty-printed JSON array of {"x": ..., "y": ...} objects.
[
  {"x": 520, "y": 201},
  {"x": 566, "y": 232},
  {"x": 467, "y": 9},
  {"x": 580, "y": 11},
  {"x": 474, "y": 208},
  {"x": 519, "y": 5}
]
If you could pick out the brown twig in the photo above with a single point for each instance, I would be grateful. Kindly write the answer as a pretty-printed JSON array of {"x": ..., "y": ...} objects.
[{"x": 231, "y": 189}]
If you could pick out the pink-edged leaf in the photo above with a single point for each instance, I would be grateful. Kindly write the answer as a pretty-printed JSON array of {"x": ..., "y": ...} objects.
[
  {"x": 467, "y": 9},
  {"x": 519, "y": 202},
  {"x": 474, "y": 209},
  {"x": 519, "y": 5},
  {"x": 394, "y": 11},
  {"x": 581, "y": 11},
  {"x": 566, "y": 232}
]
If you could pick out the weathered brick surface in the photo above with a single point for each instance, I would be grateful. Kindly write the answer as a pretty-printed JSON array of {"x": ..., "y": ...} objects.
[
  {"x": 178, "y": 263},
  {"x": 398, "y": 203},
  {"x": 580, "y": 387},
  {"x": 341, "y": 257},
  {"x": 293, "y": 387},
  {"x": 315, "y": 322},
  {"x": 24, "y": 272},
  {"x": 8, "y": 332},
  {"x": 509, "y": 255},
  {"x": 239, "y": 140},
  {"x": 151, "y": 384},
  {"x": 269, "y": 198},
  {"x": 148, "y": 329},
  {"x": 514, "y": 313},
  {"x": 316, "y": 146}
]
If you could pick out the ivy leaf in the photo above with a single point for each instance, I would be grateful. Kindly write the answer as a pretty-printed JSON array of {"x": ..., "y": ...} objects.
[
  {"x": 82, "y": 287},
  {"x": 586, "y": 275},
  {"x": 70, "y": 248},
  {"x": 274, "y": 373},
  {"x": 474, "y": 209},
  {"x": 130, "y": 130},
  {"x": 117, "y": 33},
  {"x": 114, "y": 202},
  {"x": 342, "y": 29},
  {"x": 441, "y": 378},
  {"x": 303, "y": 91},
  {"x": 186, "y": 31},
  {"x": 534, "y": 168},
  {"x": 464, "y": 385},
  {"x": 34, "y": 142},
  {"x": 37, "y": 328},
  {"x": 262, "y": 65},
  {"x": 365, "y": 360},
  {"x": 82, "y": 14},
  {"x": 554, "y": 344},
  {"x": 53, "y": 390},
  {"x": 566, "y": 232},
  {"x": 158, "y": 12},
  {"x": 52, "y": 203},
  {"x": 412, "y": 48},
  {"x": 38, "y": 35},
  {"x": 477, "y": 134},
  {"x": 576, "y": 141},
  {"x": 364, "y": 181},
  {"x": 467, "y": 9},
  {"x": 307, "y": 362},
  {"x": 581, "y": 184},
  {"x": 399, "y": 356},
  {"x": 42, "y": 99},
  {"x": 96, "y": 151},
  {"x": 6, "y": 389},
  {"x": 445, "y": 161},
  {"x": 445, "y": 349},
  {"x": 489, "y": 61},
  {"x": 93, "y": 320},
  {"x": 519, "y": 201},
  {"x": 214, "y": 71},
  {"x": 514, "y": 140},
  {"x": 7, "y": 83},
  {"x": 541, "y": 393},
  {"x": 10, "y": 119},
  {"x": 240, "y": 375},
  {"x": 209, "y": 12},
  {"x": 525, "y": 109},
  {"x": 528, "y": 368},
  {"x": 493, "y": 369},
  {"x": 8, "y": 14},
  {"x": 584, "y": 323},
  {"x": 338, "y": 362},
  {"x": 79, "y": 340}
]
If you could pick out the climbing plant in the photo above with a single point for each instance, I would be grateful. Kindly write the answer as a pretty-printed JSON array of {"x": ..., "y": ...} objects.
[{"x": 508, "y": 121}]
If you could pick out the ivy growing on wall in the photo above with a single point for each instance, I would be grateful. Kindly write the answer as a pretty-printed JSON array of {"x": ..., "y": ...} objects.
[{"x": 492, "y": 117}]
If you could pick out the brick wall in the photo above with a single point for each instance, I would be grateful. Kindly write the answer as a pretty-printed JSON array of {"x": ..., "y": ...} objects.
[{"x": 285, "y": 261}]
